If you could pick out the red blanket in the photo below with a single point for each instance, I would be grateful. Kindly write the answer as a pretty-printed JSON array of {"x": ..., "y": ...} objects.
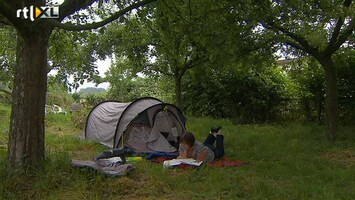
[{"x": 224, "y": 162}]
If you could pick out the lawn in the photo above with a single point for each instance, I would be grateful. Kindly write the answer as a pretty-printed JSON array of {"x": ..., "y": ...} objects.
[{"x": 287, "y": 161}]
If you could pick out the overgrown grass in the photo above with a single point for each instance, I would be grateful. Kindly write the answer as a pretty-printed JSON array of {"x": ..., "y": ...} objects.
[
  {"x": 5, "y": 111},
  {"x": 287, "y": 162}
]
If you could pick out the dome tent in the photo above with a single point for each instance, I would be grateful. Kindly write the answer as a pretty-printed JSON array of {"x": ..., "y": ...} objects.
[{"x": 144, "y": 125}]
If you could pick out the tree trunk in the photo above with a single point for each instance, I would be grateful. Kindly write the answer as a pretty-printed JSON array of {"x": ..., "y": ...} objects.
[
  {"x": 307, "y": 109},
  {"x": 319, "y": 110},
  {"x": 26, "y": 139},
  {"x": 331, "y": 98},
  {"x": 178, "y": 91}
]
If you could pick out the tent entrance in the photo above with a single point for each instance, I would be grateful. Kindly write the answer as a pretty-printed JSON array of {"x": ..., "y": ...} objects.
[{"x": 161, "y": 136}]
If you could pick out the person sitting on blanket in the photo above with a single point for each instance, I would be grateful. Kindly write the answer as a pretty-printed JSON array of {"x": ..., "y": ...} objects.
[{"x": 206, "y": 152}]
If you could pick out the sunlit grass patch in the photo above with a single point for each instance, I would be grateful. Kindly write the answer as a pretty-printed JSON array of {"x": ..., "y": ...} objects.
[{"x": 344, "y": 157}]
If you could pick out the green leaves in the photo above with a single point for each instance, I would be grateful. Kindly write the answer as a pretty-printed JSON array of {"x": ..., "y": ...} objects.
[
  {"x": 246, "y": 93},
  {"x": 73, "y": 53}
]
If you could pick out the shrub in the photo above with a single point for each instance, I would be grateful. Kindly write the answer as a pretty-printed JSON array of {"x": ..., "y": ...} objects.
[{"x": 79, "y": 118}]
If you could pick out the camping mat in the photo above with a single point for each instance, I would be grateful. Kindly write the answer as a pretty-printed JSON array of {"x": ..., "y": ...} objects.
[
  {"x": 118, "y": 170},
  {"x": 224, "y": 162}
]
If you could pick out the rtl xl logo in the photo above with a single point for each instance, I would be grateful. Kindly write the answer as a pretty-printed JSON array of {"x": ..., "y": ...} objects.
[{"x": 44, "y": 12}]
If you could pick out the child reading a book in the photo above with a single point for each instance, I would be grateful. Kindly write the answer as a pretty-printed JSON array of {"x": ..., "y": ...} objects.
[{"x": 206, "y": 152}]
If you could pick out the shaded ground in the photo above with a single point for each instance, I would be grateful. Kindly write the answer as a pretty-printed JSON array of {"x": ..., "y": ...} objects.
[{"x": 289, "y": 161}]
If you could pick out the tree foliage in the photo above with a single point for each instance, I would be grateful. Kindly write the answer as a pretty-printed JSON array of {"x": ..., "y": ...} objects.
[
  {"x": 70, "y": 53},
  {"x": 317, "y": 28},
  {"x": 26, "y": 138},
  {"x": 308, "y": 77},
  {"x": 172, "y": 37},
  {"x": 73, "y": 54},
  {"x": 125, "y": 86},
  {"x": 58, "y": 93},
  {"x": 244, "y": 93}
]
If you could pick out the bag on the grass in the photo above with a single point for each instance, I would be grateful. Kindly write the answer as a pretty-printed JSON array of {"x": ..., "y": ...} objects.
[{"x": 111, "y": 153}]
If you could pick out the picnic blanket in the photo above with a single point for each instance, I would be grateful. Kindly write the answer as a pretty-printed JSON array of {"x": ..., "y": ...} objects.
[{"x": 225, "y": 162}]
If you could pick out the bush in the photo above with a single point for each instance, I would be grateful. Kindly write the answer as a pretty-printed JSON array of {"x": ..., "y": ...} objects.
[
  {"x": 5, "y": 98},
  {"x": 94, "y": 99},
  {"x": 79, "y": 118},
  {"x": 243, "y": 94}
]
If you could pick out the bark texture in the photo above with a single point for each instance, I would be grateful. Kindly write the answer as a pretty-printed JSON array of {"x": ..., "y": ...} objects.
[
  {"x": 331, "y": 98},
  {"x": 26, "y": 143}
]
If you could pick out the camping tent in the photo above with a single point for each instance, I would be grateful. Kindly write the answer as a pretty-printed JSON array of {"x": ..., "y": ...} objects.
[{"x": 144, "y": 125}]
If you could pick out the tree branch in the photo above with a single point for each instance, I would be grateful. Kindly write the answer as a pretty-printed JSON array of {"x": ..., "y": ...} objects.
[
  {"x": 6, "y": 10},
  {"x": 294, "y": 45},
  {"x": 7, "y": 13},
  {"x": 334, "y": 44},
  {"x": 69, "y": 7},
  {"x": 302, "y": 42},
  {"x": 336, "y": 32},
  {"x": 95, "y": 25},
  {"x": 342, "y": 38},
  {"x": 4, "y": 21}
]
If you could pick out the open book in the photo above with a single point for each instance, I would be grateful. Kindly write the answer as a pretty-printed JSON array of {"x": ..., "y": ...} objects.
[{"x": 176, "y": 162}]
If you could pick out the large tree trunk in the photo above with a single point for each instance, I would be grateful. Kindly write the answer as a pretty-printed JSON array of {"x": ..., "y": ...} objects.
[
  {"x": 331, "y": 98},
  {"x": 178, "y": 91},
  {"x": 26, "y": 139}
]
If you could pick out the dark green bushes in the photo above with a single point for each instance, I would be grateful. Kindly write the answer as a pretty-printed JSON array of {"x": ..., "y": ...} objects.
[{"x": 245, "y": 94}]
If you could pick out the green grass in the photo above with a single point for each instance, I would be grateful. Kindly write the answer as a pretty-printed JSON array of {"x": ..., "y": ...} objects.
[
  {"x": 5, "y": 111},
  {"x": 289, "y": 161}
]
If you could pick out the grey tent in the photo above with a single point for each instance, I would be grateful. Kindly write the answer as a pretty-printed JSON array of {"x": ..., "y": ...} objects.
[{"x": 144, "y": 125}]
